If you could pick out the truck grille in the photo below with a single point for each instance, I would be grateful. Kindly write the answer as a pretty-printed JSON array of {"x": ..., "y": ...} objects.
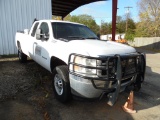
[
  {"x": 111, "y": 71},
  {"x": 128, "y": 67}
]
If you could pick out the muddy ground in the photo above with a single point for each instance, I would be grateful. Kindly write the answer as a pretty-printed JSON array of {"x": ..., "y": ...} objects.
[{"x": 26, "y": 94}]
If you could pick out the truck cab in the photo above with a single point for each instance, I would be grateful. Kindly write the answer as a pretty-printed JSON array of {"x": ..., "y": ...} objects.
[{"x": 81, "y": 63}]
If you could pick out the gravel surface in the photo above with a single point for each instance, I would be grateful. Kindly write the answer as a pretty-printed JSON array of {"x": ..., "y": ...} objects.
[
  {"x": 23, "y": 86},
  {"x": 16, "y": 77},
  {"x": 26, "y": 94},
  {"x": 13, "y": 78}
]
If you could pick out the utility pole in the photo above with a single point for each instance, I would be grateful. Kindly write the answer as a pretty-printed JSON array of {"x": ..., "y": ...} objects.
[
  {"x": 114, "y": 15},
  {"x": 127, "y": 16}
]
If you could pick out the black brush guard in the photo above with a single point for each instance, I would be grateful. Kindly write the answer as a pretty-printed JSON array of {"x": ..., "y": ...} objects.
[{"x": 120, "y": 72}]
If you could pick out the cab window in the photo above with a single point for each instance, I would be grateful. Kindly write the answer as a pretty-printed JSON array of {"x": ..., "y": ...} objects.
[
  {"x": 34, "y": 29},
  {"x": 45, "y": 29}
]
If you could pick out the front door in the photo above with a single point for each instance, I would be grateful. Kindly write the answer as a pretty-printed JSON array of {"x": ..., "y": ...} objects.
[{"x": 40, "y": 46}]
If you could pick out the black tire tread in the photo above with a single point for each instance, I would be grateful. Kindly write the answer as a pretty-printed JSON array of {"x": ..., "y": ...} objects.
[{"x": 23, "y": 56}]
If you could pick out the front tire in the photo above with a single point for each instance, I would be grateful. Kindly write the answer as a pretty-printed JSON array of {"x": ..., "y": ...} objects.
[{"x": 60, "y": 83}]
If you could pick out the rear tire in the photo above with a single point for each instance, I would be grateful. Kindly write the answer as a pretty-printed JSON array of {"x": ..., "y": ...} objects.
[
  {"x": 60, "y": 83},
  {"x": 22, "y": 57}
]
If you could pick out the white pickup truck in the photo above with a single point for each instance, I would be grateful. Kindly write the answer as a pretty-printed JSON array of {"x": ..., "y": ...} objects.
[{"x": 81, "y": 63}]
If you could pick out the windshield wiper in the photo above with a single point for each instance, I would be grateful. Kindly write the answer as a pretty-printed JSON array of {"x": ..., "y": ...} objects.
[
  {"x": 63, "y": 39},
  {"x": 76, "y": 37}
]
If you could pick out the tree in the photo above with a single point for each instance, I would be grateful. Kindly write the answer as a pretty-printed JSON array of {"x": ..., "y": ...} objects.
[
  {"x": 130, "y": 33},
  {"x": 149, "y": 13},
  {"x": 68, "y": 17},
  {"x": 86, "y": 20},
  {"x": 120, "y": 25},
  {"x": 106, "y": 28},
  {"x": 56, "y": 17},
  {"x": 141, "y": 30}
]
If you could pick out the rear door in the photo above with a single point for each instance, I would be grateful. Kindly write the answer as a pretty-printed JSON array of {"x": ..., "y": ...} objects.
[{"x": 32, "y": 40}]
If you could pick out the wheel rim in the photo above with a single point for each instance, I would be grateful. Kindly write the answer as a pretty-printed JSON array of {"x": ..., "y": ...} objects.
[{"x": 58, "y": 84}]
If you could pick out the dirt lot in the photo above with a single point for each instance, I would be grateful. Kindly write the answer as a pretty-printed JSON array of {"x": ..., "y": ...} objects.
[{"x": 26, "y": 94}]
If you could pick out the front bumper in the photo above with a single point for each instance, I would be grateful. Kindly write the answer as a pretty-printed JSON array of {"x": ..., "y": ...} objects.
[{"x": 95, "y": 87}]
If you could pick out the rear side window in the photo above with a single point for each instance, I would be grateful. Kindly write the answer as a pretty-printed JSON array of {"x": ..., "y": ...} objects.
[{"x": 34, "y": 29}]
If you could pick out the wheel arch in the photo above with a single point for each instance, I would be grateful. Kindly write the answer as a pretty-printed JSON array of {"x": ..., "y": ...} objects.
[
  {"x": 54, "y": 62},
  {"x": 18, "y": 44}
]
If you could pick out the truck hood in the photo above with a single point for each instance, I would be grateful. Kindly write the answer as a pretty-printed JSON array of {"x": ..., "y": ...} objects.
[{"x": 98, "y": 47}]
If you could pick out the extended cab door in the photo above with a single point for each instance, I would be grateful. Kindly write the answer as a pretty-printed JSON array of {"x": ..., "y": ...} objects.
[
  {"x": 41, "y": 45},
  {"x": 32, "y": 40}
]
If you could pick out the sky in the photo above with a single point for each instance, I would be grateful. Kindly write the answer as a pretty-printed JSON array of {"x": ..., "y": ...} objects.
[{"x": 102, "y": 10}]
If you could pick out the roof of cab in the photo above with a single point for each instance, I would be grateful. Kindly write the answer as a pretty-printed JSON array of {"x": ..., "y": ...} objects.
[{"x": 59, "y": 21}]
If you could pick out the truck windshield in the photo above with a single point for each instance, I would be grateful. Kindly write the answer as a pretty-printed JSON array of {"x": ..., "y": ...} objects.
[{"x": 71, "y": 31}]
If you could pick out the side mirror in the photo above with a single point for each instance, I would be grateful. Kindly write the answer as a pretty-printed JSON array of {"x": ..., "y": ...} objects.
[
  {"x": 38, "y": 34},
  {"x": 41, "y": 36},
  {"x": 46, "y": 36},
  {"x": 26, "y": 31}
]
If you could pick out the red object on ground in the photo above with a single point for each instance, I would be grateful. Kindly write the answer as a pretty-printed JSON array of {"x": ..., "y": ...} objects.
[{"x": 128, "y": 106}]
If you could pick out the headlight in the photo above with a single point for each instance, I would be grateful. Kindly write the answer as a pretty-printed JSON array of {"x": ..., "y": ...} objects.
[{"x": 85, "y": 62}]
